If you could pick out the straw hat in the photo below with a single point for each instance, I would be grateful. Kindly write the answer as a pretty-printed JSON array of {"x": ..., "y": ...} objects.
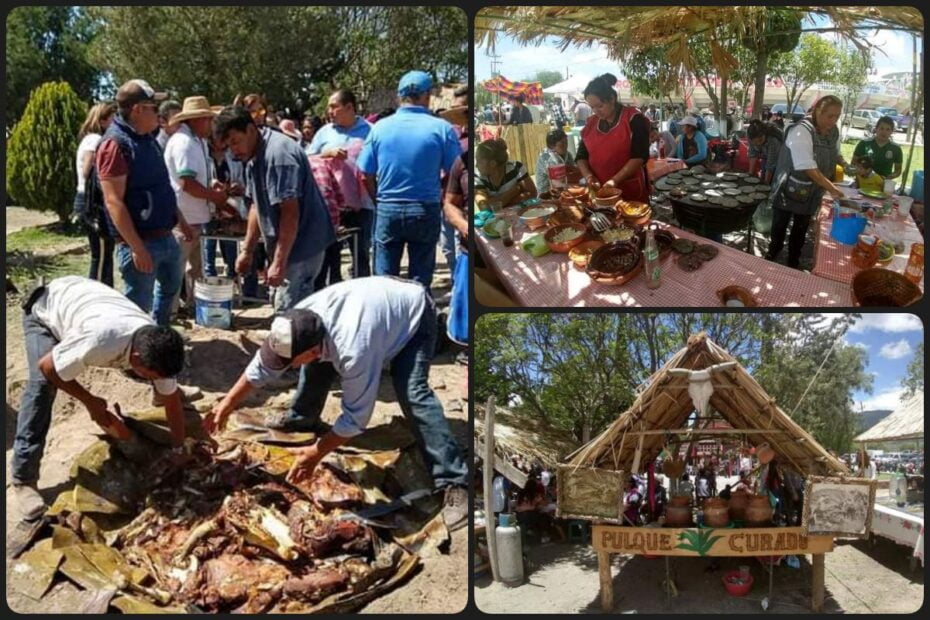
[
  {"x": 193, "y": 107},
  {"x": 457, "y": 115}
]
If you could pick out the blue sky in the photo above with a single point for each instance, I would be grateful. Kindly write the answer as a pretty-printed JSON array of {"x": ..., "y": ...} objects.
[
  {"x": 519, "y": 62},
  {"x": 889, "y": 340}
]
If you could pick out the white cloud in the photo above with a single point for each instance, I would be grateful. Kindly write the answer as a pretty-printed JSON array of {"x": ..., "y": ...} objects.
[
  {"x": 890, "y": 323},
  {"x": 886, "y": 399},
  {"x": 895, "y": 350}
]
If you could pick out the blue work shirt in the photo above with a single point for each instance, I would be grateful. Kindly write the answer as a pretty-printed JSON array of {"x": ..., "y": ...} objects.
[
  {"x": 278, "y": 171},
  {"x": 408, "y": 151},
  {"x": 333, "y": 136},
  {"x": 367, "y": 321}
]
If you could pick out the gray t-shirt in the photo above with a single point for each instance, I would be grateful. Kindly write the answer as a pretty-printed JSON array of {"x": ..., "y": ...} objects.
[
  {"x": 368, "y": 321},
  {"x": 94, "y": 325},
  {"x": 279, "y": 171}
]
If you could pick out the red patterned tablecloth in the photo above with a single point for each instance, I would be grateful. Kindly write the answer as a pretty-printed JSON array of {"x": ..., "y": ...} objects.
[
  {"x": 552, "y": 281},
  {"x": 658, "y": 168},
  {"x": 832, "y": 258}
]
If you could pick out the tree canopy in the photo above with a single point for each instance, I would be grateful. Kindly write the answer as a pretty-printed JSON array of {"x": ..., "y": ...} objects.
[{"x": 578, "y": 372}]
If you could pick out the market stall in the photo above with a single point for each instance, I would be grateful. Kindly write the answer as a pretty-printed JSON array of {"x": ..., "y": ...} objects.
[
  {"x": 697, "y": 384},
  {"x": 543, "y": 267}
]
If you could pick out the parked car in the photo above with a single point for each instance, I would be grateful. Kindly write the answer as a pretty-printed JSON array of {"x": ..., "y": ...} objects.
[
  {"x": 797, "y": 115},
  {"x": 901, "y": 122},
  {"x": 864, "y": 119}
]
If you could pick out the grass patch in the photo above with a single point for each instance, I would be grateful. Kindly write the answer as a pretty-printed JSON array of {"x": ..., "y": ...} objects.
[
  {"x": 25, "y": 268},
  {"x": 44, "y": 238}
]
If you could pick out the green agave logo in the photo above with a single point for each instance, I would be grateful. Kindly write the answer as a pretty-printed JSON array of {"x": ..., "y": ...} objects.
[{"x": 699, "y": 541}]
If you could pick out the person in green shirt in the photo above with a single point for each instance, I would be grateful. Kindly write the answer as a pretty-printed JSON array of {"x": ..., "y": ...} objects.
[{"x": 886, "y": 156}]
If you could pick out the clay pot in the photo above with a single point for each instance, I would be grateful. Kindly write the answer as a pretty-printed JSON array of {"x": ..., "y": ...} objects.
[
  {"x": 739, "y": 499},
  {"x": 680, "y": 500},
  {"x": 759, "y": 511},
  {"x": 677, "y": 516},
  {"x": 673, "y": 468},
  {"x": 716, "y": 512}
]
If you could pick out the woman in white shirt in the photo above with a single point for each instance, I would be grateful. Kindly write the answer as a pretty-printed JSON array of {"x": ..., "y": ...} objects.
[{"x": 101, "y": 245}]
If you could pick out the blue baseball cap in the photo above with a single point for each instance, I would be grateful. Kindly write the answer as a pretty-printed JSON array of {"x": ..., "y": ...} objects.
[{"x": 414, "y": 83}]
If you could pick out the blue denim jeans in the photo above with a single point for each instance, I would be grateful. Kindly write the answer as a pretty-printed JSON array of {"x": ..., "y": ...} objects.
[
  {"x": 363, "y": 219},
  {"x": 298, "y": 284},
  {"x": 331, "y": 271},
  {"x": 228, "y": 251},
  {"x": 449, "y": 244},
  {"x": 153, "y": 292},
  {"x": 410, "y": 376},
  {"x": 414, "y": 225},
  {"x": 35, "y": 412}
]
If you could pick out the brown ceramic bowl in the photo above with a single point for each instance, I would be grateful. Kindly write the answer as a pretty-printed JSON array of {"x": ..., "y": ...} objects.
[
  {"x": 535, "y": 223},
  {"x": 738, "y": 293},
  {"x": 615, "y": 263},
  {"x": 565, "y": 246},
  {"x": 577, "y": 191},
  {"x": 580, "y": 254}
]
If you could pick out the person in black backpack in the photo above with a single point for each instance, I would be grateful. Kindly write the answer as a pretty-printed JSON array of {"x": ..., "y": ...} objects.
[{"x": 88, "y": 201}]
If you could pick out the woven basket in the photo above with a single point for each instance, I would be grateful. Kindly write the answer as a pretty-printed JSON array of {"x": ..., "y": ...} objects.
[{"x": 881, "y": 287}]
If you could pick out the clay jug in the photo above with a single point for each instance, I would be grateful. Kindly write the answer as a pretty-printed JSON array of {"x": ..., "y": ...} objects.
[
  {"x": 680, "y": 500},
  {"x": 739, "y": 499},
  {"x": 716, "y": 512},
  {"x": 759, "y": 511},
  {"x": 678, "y": 515}
]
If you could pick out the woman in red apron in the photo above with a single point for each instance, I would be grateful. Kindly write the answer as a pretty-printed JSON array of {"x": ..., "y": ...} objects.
[{"x": 614, "y": 142}]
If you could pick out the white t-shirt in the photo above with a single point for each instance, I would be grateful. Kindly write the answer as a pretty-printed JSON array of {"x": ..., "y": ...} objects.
[
  {"x": 186, "y": 156},
  {"x": 88, "y": 144},
  {"x": 94, "y": 325},
  {"x": 801, "y": 145}
]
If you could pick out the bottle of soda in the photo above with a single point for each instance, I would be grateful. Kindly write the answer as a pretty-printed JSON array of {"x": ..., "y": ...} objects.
[{"x": 651, "y": 255}]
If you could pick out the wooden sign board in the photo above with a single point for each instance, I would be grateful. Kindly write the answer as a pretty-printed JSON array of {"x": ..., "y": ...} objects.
[
  {"x": 838, "y": 506},
  {"x": 589, "y": 493},
  {"x": 701, "y": 542}
]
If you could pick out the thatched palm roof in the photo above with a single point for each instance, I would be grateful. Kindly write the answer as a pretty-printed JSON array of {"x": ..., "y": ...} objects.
[
  {"x": 525, "y": 436},
  {"x": 905, "y": 422},
  {"x": 627, "y": 29},
  {"x": 665, "y": 404}
]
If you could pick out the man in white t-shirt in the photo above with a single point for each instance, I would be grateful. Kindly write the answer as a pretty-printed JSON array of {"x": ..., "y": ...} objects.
[
  {"x": 69, "y": 325},
  {"x": 188, "y": 162}
]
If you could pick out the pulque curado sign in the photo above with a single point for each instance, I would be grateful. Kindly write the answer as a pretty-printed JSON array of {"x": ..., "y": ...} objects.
[{"x": 708, "y": 541}]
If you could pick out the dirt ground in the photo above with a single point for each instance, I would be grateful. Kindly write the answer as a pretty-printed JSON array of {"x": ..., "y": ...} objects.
[
  {"x": 440, "y": 586},
  {"x": 861, "y": 577}
]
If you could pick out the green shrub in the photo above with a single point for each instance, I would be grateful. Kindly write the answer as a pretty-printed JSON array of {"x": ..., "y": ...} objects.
[{"x": 40, "y": 152}]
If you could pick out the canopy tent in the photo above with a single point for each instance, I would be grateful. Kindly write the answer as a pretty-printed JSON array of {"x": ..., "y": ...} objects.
[
  {"x": 574, "y": 85},
  {"x": 524, "y": 437},
  {"x": 663, "y": 408},
  {"x": 531, "y": 91},
  {"x": 905, "y": 422}
]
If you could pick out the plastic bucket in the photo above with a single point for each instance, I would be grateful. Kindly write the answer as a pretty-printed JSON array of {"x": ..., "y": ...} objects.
[
  {"x": 847, "y": 229},
  {"x": 917, "y": 185},
  {"x": 904, "y": 204},
  {"x": 213, "y": 297}
]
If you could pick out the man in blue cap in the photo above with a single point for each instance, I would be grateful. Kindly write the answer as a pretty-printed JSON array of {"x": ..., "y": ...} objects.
[{"x": 402, "y": 160}]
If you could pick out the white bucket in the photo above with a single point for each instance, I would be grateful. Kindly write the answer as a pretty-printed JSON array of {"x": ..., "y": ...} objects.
[
  {"x": 213, "y": 299},
  {"x": 904, "y": 204}
]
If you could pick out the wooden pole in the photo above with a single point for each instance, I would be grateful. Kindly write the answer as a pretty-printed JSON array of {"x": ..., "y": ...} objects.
[
  {"x": 607, "y": 582},
  {"x": 490, "y": 524},
  {"x": 817, "y": 588}
]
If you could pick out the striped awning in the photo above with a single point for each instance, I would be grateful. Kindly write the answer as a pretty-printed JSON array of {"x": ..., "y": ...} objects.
[{"x": 531, "y": 91}]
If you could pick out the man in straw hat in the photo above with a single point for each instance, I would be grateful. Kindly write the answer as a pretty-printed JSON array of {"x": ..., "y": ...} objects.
[
  {"x": 352, "y": 329},
  {"x": 142, "y": 208},
  {"x": 187, "y": 159}
]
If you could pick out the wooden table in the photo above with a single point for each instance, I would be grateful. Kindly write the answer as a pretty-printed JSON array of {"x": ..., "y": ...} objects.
[
  {"x": 693, "y": 542},
  {"x": 553, "y": 281},
  {"x": 832, "y": 258}
]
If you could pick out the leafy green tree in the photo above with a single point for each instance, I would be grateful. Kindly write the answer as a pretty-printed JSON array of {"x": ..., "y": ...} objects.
[
  {"x": 546, "y": 78},
  {"x": 851, "y": 75},
  {"x": 40, "y": 152},
  {"x": 777, "y": 31},
  {"x": 913, "y": 381},
  {"x": 814, "y": 60},
  {"x": 651, "y": 75},
  {"x": 45, "y": 44}
]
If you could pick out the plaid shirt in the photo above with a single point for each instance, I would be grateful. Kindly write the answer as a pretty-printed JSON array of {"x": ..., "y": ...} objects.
[{"x": 325, "y": 177}]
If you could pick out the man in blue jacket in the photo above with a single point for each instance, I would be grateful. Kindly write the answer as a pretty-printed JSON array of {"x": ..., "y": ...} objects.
[{"x": 402, "y": 160}]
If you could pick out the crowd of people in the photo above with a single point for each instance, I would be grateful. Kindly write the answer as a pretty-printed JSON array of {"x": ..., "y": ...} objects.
[
  {"x": 155, "y": 176},
  {"x": 798, "y": 156}
]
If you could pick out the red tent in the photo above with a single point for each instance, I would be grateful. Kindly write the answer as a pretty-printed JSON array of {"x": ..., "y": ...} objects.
[{"x": 531, "y": 91}]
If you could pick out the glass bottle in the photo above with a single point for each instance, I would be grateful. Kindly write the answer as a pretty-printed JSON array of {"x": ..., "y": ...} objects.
[
  {"x": 651, "y": 255},
  {"x": 914, "y": 270}
]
